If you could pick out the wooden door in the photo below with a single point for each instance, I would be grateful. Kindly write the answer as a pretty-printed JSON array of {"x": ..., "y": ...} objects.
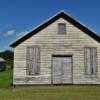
[
  {"x": 62, "y": 70},
  {"x": 67, "y": 70}
]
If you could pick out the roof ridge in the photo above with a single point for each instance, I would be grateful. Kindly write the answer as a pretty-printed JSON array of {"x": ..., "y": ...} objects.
[{"x": 61, "y": 14}]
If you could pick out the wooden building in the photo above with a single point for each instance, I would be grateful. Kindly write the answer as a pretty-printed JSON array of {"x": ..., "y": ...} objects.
[{"x": 59, "y": 51}]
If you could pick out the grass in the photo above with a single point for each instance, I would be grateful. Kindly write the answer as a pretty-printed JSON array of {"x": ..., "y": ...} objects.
[
  {"x": 51, "y": 93},
  {"x": 6, "y": 77},
  {"x": 45, "y": 92}
]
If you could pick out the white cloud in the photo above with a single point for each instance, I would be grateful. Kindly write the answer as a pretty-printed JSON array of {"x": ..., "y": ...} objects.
[
  {"x": 22, "y": 33},
  {"x": 2, "y": 50},
  {"x": 9, "y": 32}
]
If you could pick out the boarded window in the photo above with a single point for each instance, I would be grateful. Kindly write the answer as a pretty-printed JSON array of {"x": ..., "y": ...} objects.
[
  {"x": 61, "y": 28},
  {"x": 90, "y": 61},
  {"x": 33, "y": 60}
]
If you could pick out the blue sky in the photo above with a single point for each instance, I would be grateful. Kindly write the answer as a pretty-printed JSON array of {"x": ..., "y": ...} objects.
[{"x": 17, "y": 17}]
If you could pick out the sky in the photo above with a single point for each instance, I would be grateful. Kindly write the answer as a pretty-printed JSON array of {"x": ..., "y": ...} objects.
[{"x": 18, "y": 17}]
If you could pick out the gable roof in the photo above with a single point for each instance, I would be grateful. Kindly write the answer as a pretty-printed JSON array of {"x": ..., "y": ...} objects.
[{"x": 68, "y": 18}]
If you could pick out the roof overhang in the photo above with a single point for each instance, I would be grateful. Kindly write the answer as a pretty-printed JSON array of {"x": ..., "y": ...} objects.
[{"x": 68, "y": 18}]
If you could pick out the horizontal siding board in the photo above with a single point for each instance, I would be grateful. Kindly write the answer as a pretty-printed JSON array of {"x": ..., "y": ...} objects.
[{"x": 51, "y": 43}]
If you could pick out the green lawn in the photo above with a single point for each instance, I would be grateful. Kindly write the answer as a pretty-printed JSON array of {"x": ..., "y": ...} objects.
[
  {"x": 51, "y": 93},
  {"x": 6, "y": 78},
  {"x": 45, "y": 92}
]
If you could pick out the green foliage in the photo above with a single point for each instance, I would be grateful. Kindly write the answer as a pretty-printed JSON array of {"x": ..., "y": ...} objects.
[{"x": 7, "y": 55}]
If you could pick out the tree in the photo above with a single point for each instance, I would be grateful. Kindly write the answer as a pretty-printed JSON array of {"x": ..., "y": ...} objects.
[{"x": 7, "y": 55}]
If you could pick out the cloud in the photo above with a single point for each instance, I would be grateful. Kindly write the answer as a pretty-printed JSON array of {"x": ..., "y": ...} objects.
[
  {"x": 2, "y": 50},
  {"x": 20, "y": 34},
  {"x": 10, "y": 33}
]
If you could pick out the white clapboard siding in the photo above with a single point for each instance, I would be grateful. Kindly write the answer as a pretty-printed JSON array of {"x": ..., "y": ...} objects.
[{"x": 50, "y": 42}]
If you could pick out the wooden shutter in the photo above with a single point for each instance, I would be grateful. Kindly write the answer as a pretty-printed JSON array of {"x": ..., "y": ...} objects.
[
  {"x": 94, "y": 60},
  {"x": 90, "y": 61},
  {"x": 87, "y": 61},
  {"x": 61, "y": 28},
  {"x": 33, "y": 60}
]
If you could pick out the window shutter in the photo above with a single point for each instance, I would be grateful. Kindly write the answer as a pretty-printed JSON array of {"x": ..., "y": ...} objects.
[
  {"x": 90, "y": 61},
  {"x": 87, "y": 61},
  {"x": 61, "y": 28},
  {"x": 94, "y": 60},
  {"x": 33, "y": 60}
]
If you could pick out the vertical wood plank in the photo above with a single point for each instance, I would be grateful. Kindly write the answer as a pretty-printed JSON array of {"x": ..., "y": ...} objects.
[
  {"x": 57, "y": 74},
  {"x": 87, "y": 61},
  {"x": 62, "y": 70},
  {"x": 90, "y": 61},
  {"x": 67, "y": 70},
  {"x": 94, "y": 60},
  {"x": 33, "y": 60}
]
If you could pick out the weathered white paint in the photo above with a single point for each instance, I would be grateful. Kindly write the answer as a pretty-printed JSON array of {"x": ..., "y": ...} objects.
[
  {"x": 50, "y": 43},
  {"x": 62, "y": 70}
]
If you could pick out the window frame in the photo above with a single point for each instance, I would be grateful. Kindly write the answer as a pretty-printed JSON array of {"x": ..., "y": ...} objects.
[{"x": 59, "y": 29}]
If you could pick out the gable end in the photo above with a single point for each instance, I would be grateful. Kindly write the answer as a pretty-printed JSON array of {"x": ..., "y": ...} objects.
[{"x": 60, "y": 15}]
